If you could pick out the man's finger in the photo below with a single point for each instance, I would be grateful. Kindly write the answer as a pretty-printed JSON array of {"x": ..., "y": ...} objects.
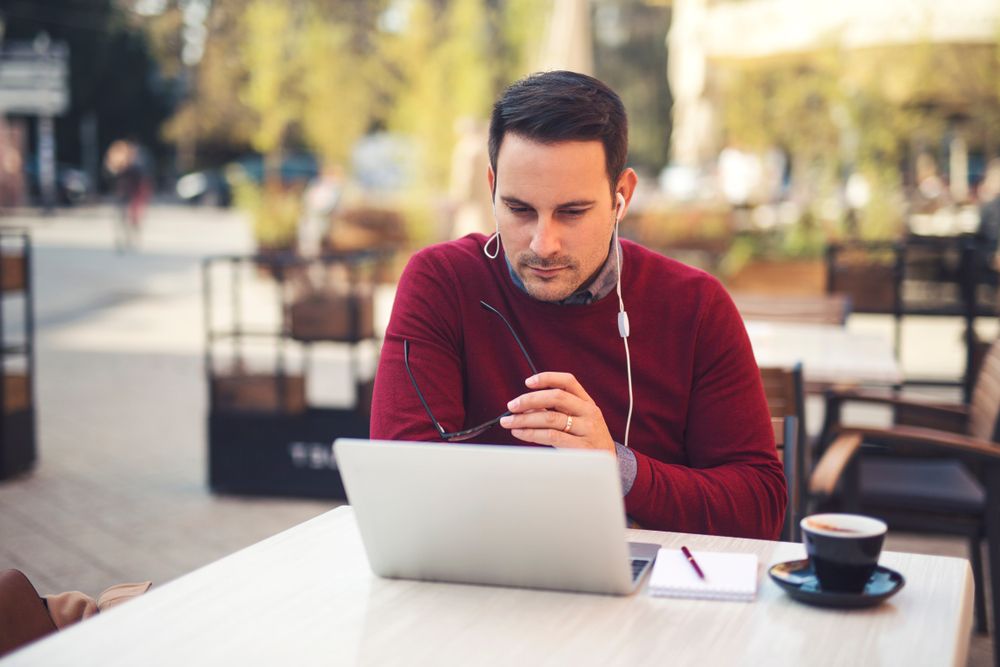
[
  {"x": 548, "y": 399},
  {"x": 554, "y": 380},
  {"x": 555, "y": 421},
  {"x": 545, "y": 436}
]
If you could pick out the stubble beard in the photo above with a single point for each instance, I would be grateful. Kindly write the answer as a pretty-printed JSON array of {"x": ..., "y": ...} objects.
[{"x": 554, "y": 289}]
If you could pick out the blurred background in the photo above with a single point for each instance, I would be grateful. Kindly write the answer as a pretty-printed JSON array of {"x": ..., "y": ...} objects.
[
  {"x": 189, "y": 189},
  {"x": 759, "y": 128}
]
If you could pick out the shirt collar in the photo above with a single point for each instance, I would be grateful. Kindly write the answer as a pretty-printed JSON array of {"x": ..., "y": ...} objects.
[{"x": 596, "y": 289}]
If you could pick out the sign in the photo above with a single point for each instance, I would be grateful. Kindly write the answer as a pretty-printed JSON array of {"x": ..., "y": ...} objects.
[{"x": 34, "y": 82}]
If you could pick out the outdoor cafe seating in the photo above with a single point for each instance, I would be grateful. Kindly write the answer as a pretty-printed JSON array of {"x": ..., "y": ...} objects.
[
  {"x": 928, "y": 276},
  {"x": 937, "y": 469}
]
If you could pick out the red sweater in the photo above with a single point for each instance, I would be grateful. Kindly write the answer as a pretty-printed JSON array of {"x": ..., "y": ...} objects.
[{"x": 701, "y": 431}]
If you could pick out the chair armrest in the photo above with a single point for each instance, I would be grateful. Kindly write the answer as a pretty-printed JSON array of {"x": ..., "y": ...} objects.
[
  {"x": 953, "y": 417},
  {"x": 933, "y": 441},
  {"x": 843, "y": 395},
  {"x": 828, "y": 471}
]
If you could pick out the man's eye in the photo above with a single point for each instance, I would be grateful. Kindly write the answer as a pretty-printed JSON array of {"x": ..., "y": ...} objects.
[
  {"x": 518, "y": 210},
  {"x": 574, "y": 212}
]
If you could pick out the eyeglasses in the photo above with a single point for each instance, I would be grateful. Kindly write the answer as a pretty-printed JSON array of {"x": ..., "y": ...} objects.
[{"x": 465, "y": 434}]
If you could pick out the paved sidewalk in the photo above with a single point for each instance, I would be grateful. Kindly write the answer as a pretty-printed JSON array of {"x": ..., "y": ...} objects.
[{"x": 119, "y": 492}]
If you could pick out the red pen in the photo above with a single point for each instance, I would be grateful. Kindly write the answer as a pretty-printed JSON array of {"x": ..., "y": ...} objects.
[{"x": 694, "y": 563}]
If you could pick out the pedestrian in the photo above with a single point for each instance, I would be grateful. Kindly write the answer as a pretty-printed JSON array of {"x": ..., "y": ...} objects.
[{"x": 126, "y": 163}]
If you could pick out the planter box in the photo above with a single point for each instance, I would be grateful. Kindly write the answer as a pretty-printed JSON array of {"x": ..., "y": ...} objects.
[
  {"x": 17, "y": 442},
  {"x": 266, "y": 393},
  {"x": 286, "y": 455},
  {"x": 13, "y": 272},
  {"x": 872, "y": 287},
  {"x": 276, "y": 263},
  {"x": 16, "y": 394},
  {"x": 363, "y": 405},
  {"x": 333, "y": 316},
  {"x": 867, "y": 272},
  {"x": 796, "y": 276}
]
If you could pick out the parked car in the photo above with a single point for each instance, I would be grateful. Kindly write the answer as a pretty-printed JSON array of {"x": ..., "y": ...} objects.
[
  {"x": 213, "y": 186},
  {"x": 73, "y": 186},
  {"x": 207, "y": 188}
]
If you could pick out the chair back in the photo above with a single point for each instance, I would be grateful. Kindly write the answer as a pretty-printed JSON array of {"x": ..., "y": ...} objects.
[
  {"x": 783, "y": 388},
  {"x": 867, "y": 272},
  {"x": 786, "y": 437},
  {"x": 985, "y": 406}
]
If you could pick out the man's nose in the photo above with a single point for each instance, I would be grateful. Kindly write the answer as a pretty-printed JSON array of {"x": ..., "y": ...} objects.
[{"x": 546, "y": 241}]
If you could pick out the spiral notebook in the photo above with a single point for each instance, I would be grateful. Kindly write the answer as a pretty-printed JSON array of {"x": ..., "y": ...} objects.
[{"x": 728, "y": 576}]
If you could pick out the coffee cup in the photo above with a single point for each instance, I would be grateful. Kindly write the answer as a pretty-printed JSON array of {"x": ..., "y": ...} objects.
[{"x": 843, "y": 549}]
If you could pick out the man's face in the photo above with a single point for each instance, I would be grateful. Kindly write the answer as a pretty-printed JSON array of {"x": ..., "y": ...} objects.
[{"x": 555, "y": 212}]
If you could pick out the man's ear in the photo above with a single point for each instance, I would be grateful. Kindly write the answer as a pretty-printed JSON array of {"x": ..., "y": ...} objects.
[
  {"x": 626, "y": 186},
  {"x": 491, "y": 179}
]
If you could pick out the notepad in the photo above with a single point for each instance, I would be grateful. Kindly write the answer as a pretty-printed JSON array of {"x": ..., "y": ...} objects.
[{"x": 728, "y": 576}]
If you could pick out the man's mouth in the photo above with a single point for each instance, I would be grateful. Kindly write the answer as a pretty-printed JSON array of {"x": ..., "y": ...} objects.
[{"x": 546, "y": 272}]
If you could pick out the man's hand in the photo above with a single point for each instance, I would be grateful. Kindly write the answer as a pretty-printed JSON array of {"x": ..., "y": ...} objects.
[{"x": 558, "y": 412}]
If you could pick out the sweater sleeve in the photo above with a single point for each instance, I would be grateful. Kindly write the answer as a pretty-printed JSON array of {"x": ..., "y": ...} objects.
[
  {"x": 732, "y": 482},
  {"x": 426, "y": 314}
]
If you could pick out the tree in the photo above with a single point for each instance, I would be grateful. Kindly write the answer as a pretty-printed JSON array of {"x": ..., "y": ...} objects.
[
  {"x": 870, "y": 111},
  {"x": 521, "y": 25},
  {"x": 211, "y": 122},
  {"x": 337, "y": 89},
  {"x": 272, "y": 70},
  {"x": 443, "y": 71}
]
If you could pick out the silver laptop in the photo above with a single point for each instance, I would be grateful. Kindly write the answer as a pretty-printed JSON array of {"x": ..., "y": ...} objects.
[{"x": 529, "y": 517}]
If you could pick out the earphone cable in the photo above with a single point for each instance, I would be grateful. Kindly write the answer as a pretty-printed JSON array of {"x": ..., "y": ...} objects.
[{"x": 623, "y": 329}]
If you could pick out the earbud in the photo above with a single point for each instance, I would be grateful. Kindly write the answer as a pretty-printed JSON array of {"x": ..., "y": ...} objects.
[
  {"x": 623, "y": 327},
  {"x": 496, "y": 234}
]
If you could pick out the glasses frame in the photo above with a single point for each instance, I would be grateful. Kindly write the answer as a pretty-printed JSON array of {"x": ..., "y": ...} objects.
[{"x": 465, "y": 434}]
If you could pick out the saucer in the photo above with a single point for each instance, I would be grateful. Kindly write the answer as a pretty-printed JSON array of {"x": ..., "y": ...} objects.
[{"x": 799, "y": 581}]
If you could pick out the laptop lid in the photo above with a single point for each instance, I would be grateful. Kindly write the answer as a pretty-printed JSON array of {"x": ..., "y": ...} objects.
[{"x": 489, "y": 514}]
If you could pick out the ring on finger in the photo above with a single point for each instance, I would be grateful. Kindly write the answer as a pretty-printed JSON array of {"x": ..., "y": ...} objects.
[{"x": 569, "y": 424}]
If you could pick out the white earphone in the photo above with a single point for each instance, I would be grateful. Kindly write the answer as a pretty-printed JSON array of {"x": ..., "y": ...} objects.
[
  {"x": 623, "y": 326},
  {"x": 495, "y": 237},
  {"x": 496, "y": 234}
]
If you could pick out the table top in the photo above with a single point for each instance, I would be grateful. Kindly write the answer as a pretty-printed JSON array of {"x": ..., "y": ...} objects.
[
  {"x": 829, "y": 354},
  {"x": 307, "y": 596}
]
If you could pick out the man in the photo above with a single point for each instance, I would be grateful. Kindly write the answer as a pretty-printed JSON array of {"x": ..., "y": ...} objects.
[{"x": 699, "y": 454}]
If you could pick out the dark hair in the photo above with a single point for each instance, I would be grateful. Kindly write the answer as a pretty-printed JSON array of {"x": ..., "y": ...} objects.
[{"x": 551, "y": 107}]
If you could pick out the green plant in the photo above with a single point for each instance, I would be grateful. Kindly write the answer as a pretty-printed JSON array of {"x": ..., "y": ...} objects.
[{"x": 274, "y": 211}]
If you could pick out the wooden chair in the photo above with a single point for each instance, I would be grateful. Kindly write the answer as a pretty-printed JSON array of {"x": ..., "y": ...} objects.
[
  {"x": 818, "y": 309},
  {"x": 783, "y": 388},
  {"x": 23, "y": 614},
  {"x": 921, "y": 474},
  {"x": 786, "y": 437}
]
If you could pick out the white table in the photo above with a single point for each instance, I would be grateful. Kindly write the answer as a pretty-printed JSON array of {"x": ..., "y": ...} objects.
[
  {"x": 307, "y": 597},
  {"x": 829, "y": 354}
]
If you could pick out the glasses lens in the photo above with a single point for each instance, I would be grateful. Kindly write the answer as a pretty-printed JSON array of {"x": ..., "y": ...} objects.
[
  {"x": 461, "y": 436},
  {"x": 468, "y": 433}
]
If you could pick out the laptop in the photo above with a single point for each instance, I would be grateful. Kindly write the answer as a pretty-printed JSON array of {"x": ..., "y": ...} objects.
[{"x": 529, "y": 517}]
